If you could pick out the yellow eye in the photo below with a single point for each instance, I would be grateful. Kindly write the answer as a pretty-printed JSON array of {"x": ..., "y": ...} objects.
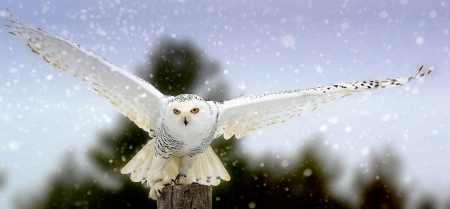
[
  {"x": 195, "y": 110},
  {"x": 176, "y": 111}
]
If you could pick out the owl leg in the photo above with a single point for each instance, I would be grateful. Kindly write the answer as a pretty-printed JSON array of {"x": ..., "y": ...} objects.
[
  {"x": 186, "y": 163},
  {"x": 156, "y": 176}
]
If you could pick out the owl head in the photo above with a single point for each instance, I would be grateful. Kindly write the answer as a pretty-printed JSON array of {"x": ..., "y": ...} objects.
[{"x": 187, "y": 110}]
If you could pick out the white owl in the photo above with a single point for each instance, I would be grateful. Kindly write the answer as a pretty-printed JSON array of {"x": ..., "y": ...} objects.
[{"x": 183, "y": 126}]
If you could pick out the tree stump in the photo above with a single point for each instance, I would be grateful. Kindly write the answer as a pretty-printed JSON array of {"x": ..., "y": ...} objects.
[{"x": 185, "y": 197}]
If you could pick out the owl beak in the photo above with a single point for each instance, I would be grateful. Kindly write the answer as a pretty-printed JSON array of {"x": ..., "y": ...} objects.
[{"x": 185, "y": 121}]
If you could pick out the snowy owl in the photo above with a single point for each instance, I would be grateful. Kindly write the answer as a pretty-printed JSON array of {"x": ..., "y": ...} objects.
[{"x": 183, "y": 126}]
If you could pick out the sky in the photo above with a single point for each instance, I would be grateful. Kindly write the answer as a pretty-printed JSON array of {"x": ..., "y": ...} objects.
[{"x": 260, "y": 46}]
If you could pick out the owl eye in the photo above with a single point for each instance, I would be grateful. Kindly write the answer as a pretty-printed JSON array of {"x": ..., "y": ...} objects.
[
  {"x": 176, "y": 111},
  {"x": 195, "y": 110}
]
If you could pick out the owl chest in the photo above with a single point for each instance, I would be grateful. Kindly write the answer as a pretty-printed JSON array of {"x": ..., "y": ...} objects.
[{"x": 187, "y": 138}]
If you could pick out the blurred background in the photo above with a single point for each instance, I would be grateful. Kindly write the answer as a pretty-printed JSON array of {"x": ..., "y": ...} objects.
[{"x": 62, "y": 146}]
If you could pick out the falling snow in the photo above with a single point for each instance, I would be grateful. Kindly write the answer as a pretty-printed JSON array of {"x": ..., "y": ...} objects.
[{"x": 43, "y": 112}]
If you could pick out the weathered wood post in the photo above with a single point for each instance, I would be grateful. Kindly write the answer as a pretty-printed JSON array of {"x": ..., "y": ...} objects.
[{"x": 185, "y": 197}]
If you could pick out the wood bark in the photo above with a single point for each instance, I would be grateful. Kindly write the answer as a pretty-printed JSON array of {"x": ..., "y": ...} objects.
[{"x": 185, "y": 197}]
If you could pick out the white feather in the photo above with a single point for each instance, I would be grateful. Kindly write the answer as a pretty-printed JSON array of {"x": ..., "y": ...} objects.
[
  {"x": 281, "y": 106},
  {"x": 215, "y": 162},
  {"x": 139, "y": 158},
  {"x": 131, "y": 95},
  {"x": 205, "y": 170},
  {"x": 208, "y": 165}
]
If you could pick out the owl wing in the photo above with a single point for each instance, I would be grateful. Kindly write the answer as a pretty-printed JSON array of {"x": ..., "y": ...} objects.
[
  {"x": 131, "y": 95},
  {"x": 246, "y": 114}
]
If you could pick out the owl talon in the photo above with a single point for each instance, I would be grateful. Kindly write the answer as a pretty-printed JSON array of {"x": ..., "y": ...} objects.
[
  {"x": 156, "y": 191},
  {"x": 182, "y": 180},
  {"x": 154, "y": 194},
  {"x": 179, "y": 176},
  {"x": 168, "y": 182}
]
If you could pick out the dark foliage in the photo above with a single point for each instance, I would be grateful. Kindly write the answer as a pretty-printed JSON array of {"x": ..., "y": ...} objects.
[
  {"x": 303, "y": 185},
  {"x": 2, "y": 178}
]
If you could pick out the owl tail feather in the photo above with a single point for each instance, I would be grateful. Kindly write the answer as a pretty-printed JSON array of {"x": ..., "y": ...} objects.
[{"x": 207, "y": 171}]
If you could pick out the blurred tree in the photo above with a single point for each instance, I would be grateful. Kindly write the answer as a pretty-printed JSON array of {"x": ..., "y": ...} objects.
[
  {"x": 304, "y": 185},
  {"x": 2, "y": 178},
  {"x": 180, "y": 68},
  {"x": 446, "y": 203},
  {"x": 379, "y": 188},
  {"x": 427, "y": 202}
]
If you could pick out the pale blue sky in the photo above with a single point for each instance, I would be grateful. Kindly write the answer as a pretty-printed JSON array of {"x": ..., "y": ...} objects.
[{"x": 261, "y": 46}]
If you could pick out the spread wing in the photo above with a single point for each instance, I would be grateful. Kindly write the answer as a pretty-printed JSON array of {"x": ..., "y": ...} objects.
[
  {"x": 131, "y": 95},
  {"x": 246, "y": 114}
]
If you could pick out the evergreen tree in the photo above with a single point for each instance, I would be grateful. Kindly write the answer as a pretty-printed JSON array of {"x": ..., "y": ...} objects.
[
  {"x": 379, "y": 189},
  {"x": 304, "y": 185},
  {"x": 2, "y": 178}
]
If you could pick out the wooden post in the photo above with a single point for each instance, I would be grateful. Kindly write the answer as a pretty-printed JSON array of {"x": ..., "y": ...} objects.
[{"x": 185, "y": 197}]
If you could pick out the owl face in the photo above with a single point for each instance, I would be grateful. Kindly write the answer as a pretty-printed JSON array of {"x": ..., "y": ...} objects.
[{"x": 187, "y": 111}]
